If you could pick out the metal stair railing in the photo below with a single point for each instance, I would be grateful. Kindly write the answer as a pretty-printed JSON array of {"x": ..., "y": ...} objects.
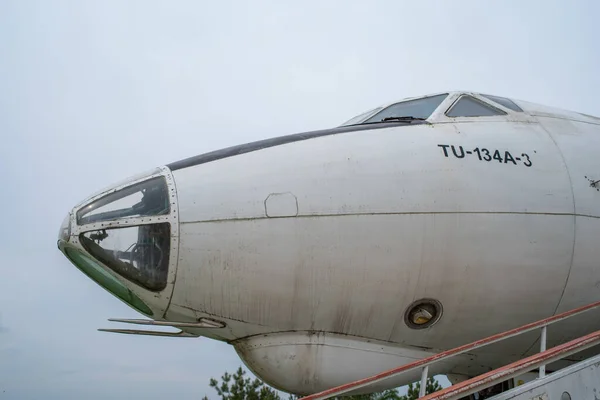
[
  {"x": 517, "y": 368},
  {"x": 480, "y": 382}
]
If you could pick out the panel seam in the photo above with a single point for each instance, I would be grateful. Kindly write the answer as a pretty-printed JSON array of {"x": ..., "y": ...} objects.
[
  {"x": 555, "y": 214},
  {"x": 574, "y": 214},
  {"x": 574, "y": 229}
]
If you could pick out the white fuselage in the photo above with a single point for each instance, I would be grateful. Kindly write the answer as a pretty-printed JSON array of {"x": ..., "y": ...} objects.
[{"x": 310, "y": 252}]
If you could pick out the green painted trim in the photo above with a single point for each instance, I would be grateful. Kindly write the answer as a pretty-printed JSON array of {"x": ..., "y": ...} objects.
[{"x": 96, "y": 272}]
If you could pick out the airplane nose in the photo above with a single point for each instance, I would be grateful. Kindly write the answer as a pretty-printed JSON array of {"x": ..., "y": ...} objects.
[
  {"x": 126, "y": 239},
  {"x": 128, "y": 231},
  {"x": 65, "y": 229}
]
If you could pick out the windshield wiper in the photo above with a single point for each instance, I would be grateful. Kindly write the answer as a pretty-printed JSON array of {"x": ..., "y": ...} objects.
[
  {"x": 402, "y": 119},
  {"x": 405, "y": 119}
]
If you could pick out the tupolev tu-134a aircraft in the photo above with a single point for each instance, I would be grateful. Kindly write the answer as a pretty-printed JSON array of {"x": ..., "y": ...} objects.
[{"x": 328, "y": 256}]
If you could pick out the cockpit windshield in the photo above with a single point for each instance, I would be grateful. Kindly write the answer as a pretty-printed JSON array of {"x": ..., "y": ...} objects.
[
  {"x": 146, "y": 198},
  {"x": 409, "y": 110},
  {"x": 420, "y": 108}
]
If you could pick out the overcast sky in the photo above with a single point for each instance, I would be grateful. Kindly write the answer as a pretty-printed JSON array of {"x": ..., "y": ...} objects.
[{"x": 95, "y": 91}]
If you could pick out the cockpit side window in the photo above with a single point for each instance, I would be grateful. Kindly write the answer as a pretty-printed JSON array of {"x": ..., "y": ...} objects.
[
  {"x": 417, "y": 108},
  {"x": 468, "y": 106},
  {"x": 508, "y": 103},
  {"x": 359, "y": 118}
]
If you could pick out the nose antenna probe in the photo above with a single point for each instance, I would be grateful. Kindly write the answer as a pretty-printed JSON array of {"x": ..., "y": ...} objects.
[{"x": 202, "y": 323}]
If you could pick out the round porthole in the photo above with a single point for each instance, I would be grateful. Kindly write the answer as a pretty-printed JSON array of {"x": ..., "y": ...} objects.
[
  {"x": 423, "y": 313},
  {"x": 565, "y": 396}
]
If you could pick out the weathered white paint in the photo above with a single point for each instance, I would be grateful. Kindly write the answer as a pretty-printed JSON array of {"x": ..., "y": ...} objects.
[
  {"x": 337, "y": 235},
  {"x": 237, "y": 268},
  {"x": 293, "y": 355}
]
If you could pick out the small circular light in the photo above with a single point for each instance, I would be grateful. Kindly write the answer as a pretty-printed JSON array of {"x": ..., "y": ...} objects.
[
  {"x": 565, "y": 396},
  {"x": 423, "y": 313}
]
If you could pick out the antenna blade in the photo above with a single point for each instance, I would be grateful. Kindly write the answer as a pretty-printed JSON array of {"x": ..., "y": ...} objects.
[
  {"x": 202, "y": 323},
  {"x": 149, "y": 333}
]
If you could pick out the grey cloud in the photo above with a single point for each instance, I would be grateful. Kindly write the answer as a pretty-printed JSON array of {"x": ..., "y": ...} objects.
[{"x": 91, "y": 92}]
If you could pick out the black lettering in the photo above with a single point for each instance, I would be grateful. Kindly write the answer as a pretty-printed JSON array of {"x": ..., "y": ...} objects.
[
  {"x": 497, "y": 156},
  {"x": 508, "y": 157},
  {"x": 487, "y": 156},
  {"x": 462, "y": 152},
  {"x": 445, "y": 148},
  {"x": 484, "y": 154}
]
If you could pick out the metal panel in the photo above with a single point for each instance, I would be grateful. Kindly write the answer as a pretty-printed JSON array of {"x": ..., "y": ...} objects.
[
  {"x": 307, "y": 362},
  {"x": 583, "y": 286},
  {"x": 395, "y": 170},
  {"x": 321, "y": 277},
  {"x": 579, "y": 144}
]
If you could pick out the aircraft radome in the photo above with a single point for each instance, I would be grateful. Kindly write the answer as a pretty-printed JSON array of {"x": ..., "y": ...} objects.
[{"x": 328, "y": 256}]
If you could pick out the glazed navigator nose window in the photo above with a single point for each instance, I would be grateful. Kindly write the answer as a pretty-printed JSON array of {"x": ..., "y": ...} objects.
[
  {"x": 138, "y": 253},
  {"x": 147, "y": 198}
]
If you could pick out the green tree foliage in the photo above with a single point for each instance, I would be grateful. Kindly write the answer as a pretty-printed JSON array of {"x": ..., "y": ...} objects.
[
  {"x": 240, "y": 387},
  {"x": 413, "y": 390},
  {"x": 391, "y": 394}
]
